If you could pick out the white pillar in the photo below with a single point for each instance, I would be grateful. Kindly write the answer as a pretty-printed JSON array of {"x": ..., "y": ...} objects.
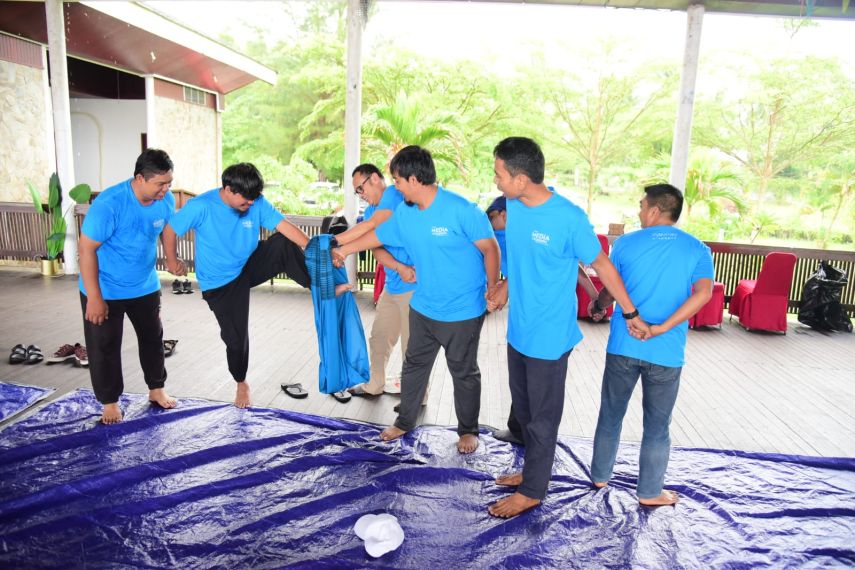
[
  {"x": 357, "y": 16},
  {"x": 683, "y": 126},
  {"x": 55, "y": 18},
  {"x": 150, "y": 117}
]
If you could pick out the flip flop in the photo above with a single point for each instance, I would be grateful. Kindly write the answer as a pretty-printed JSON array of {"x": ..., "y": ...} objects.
[
  {"x": 34, "y": 354},
  {"x": 295, "y": 390},
  {"x": 169, "y": 347},
  {"x": 360, "y": 392},
  {"x": 18, "y": 354},
  {"x": 342, "y": 396}
]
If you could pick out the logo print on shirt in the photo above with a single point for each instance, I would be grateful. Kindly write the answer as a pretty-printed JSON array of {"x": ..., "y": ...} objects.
[
  {"x": 664, "y": 236},
  {"x": 540, "y": 237},
  {"x": 157, "y": 223},
  {"x": 247, "y": 224},
  {"x": 439, "y": 231}
]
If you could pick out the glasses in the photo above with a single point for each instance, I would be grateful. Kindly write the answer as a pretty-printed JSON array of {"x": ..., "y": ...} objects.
[{"x": 359, "y": 190}]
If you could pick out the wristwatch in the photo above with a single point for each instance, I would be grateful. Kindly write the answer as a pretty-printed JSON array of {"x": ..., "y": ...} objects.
[{"x": 631, "y": 315}]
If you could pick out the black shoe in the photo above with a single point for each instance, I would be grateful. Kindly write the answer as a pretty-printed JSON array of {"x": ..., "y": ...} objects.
[
  {"x": 176, "y": 287},
  {"x": 507, "y": 435},
  {"x": 186, "y": 287}
]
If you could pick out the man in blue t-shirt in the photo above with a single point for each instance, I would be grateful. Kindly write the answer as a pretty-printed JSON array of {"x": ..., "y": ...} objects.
[
  {"x": 230, "y": 259},
  {"x": 118, "y": 252},
  {"x": 546, "y": 235},
  {"x": 498, "y": 215},
  {"x": 670, "y": 274},
  {"x": 456, "y": 259},
  {"x": 391, "y": 320}
]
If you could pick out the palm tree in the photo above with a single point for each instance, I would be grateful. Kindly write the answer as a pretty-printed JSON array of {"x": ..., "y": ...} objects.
[
  {"x": 709, "y": 181},
  {"x": 405, "y": 123}
]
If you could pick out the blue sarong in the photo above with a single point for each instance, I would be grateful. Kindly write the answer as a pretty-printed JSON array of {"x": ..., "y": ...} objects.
[{"x": 341, "y": 339}]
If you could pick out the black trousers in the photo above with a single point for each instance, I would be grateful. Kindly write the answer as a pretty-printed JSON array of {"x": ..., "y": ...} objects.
[
  {"x": 460, "y": 341},
  {"x": 537, "y": 396},
  {"x": 230, "y": 303},
  {"x": 104, "y": 345}
]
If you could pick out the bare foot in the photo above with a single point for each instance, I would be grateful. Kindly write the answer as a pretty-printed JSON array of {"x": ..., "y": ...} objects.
[
  {"x": 242, "y": 396},
  {"x": 512, "y": 506},
  {"x": 666, "y": 498},
  {"x": 112, "y": 414},
  {"x": 161, "y": 398},
  {"x": 513, "y": 480},
  {"x": 391, "y": 433},
  {"x": 343, "y": 288},
  {"x": 600, "y": 484},
  {"x": 467, "y": 443}
]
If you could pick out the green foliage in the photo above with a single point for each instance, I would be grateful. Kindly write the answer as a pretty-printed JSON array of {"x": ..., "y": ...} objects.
[{"x": 55, "y": 233}]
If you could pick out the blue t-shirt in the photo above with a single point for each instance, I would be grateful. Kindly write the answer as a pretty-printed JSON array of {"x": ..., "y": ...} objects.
[
  {"x": 128, "y": 232},
  {"x": 389, "y": 201},
  {"x": 503, "y": 249},
  {"x": 225, "y": 237},
  {"x": 545, "y": 244},
  {"x": 449, "y": 266},
  {"x": 658, "y": 265}
]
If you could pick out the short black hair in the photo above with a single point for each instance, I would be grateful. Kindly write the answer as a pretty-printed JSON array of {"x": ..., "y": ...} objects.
[
  {"x": 152, "y": 162},
  {"x": 522, "y": 156},
  {"x": 414, "y": 161},
  {"x": 244, "y": 179},
  {"x": 667, "y": 198},
  {"x": 367, "y": 169}
]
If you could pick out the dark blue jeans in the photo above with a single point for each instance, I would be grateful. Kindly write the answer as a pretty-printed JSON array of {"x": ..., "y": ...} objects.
[{"x": 659, "y": 385}]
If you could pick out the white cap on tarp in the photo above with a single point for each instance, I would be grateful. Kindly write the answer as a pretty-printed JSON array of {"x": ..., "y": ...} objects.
[{"x": 381, "y": 533}]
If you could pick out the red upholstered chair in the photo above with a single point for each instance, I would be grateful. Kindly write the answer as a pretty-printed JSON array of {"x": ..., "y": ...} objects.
[
  {"x": 762, "y": 303},
  {"x": 582, "y": 296},
  {"x": 379, "y": 281},
  {"x": 712, "y": 313}
]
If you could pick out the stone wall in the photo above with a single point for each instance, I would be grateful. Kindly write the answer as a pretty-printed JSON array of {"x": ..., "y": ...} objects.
[
  {"x": 23, "y": 135},
  {"x": 189, "y": 134}
]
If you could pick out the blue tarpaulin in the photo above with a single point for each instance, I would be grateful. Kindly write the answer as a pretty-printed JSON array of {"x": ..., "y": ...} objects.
[
  {"x": 17, "y": 397},
  {"x": 207, "y": 485}
]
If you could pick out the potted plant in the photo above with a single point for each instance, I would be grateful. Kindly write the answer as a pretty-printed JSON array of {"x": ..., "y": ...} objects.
[{"x": 55, "y": 232}]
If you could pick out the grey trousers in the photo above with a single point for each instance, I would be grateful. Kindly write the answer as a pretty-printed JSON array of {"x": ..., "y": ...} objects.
[
  {"x": 460, "y": 341},
  {"x": 537, "y": 396}
]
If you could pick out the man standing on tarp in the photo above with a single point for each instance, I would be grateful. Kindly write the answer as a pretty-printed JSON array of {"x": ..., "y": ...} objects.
[
  {"x": 457, "y": 260},
  {"x": 118, "y": 252},
  {"x": 230, "y": 259},
  {"x": 670, "y": 274},
  {"x": 546, "y": 236}
]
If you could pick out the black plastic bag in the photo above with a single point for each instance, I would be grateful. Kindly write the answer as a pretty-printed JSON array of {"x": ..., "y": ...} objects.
[{"x": 820, "y": 307}]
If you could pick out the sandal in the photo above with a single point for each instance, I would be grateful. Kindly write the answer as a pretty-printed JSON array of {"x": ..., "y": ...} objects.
[
  {"x": 295, "y": 390},
  {"x": 342, "y": 396},
  {"x": 34, "y": 354},
  {"x": 169, "y": 347},
  {"x": 18, "y": 354}
]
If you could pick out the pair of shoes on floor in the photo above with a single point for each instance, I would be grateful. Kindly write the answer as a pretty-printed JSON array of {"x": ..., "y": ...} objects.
[
  {"x": 31, "y": 354},
  {"x": 178, "y": 287},
  {"x": 169, "y": 347},
  {"x": 70, "y": 353},
  {"x": 360, "y": 392},
  {"x": 295, "y": 390}
]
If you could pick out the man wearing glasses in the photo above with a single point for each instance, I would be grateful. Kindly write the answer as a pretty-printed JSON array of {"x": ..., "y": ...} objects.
[{"x": 393, "y": 308}]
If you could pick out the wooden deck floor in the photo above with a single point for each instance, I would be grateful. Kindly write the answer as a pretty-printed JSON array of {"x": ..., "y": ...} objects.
[{"x": 790, "y": 393}]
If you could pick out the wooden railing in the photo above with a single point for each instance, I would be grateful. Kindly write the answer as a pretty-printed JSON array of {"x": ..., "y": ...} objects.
[
  {"x": 22, "y": 238},
  {"x": 735, "y": 261}
]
